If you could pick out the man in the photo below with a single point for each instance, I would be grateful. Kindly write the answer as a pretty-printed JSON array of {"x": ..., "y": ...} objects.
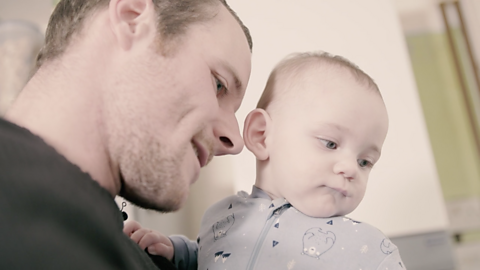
[{"x": 131, "y": 97}]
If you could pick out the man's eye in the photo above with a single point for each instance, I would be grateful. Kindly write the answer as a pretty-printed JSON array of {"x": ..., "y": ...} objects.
[
  {"x": 221, "y": 88},
  {"x": 329, "y": 144},
  {"x": 364, "y": 163}
]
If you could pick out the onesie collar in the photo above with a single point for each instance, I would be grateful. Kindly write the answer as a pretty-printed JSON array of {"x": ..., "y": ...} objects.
[{"x": 258, "y": 193}]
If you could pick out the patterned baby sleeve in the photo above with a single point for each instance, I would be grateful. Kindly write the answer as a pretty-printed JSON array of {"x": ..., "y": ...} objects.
[{"x": 392, "y": 262}]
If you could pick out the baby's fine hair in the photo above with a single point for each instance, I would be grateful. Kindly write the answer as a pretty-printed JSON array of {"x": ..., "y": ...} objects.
[{"x": 297, "y": 63}]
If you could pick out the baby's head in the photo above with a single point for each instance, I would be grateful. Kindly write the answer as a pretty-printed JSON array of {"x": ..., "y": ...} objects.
[{"x": 317, "y": 132}]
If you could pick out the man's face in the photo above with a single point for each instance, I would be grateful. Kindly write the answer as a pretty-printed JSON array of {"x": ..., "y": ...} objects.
[
  {"x": 172, "y": 114},
  {"x": 324, "y": 142}
]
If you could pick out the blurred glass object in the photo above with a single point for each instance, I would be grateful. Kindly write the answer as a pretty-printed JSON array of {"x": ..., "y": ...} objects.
[{"x": 20, "y": 42}]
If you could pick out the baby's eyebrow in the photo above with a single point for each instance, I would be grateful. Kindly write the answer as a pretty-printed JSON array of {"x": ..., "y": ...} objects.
[
  {"x": 336, "y": 126},
  {"x": 376, "y": 149}
]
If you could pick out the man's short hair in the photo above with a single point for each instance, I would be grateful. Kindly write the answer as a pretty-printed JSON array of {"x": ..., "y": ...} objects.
[
  {"x": 173, "y": 19},
  {"x": 294, "y": 64}
]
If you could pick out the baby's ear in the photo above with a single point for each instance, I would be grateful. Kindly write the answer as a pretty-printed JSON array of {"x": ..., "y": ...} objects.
[{"x": 255, "y": 132}]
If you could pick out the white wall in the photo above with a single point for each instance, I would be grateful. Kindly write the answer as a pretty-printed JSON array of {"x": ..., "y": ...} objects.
[{"x": 36, "y": 11}]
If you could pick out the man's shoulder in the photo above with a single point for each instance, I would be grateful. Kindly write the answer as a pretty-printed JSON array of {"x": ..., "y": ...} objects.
[
  {"x": 30, "y": 165},
  {"x": 40, "y": 185},
  {"x": 17, "y": 144},
  {"x": 54, "y": 215},
  {"x": 13, "y": 132}
]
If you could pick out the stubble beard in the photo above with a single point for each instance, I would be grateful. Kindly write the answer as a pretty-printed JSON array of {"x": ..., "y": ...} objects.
[{"x": 151, "y": 176}]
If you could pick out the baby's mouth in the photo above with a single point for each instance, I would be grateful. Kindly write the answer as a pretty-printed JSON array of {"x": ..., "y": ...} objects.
[{"x": 341, "y": 191}]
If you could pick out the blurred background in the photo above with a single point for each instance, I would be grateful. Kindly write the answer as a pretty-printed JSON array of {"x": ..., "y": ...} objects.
[{"x": 425, "y": 191}]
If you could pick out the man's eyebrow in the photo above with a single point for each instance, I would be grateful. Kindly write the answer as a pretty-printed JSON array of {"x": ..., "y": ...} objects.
[{"x": 237, "y": 83}]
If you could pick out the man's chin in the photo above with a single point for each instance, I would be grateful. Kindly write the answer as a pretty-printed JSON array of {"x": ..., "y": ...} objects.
[{"x": 166, "y": 204}]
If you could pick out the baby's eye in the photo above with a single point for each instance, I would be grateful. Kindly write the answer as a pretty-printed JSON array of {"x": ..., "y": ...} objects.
[
  {"x": 221, "y": 88},
  {"x": 364, "y": 163},
  {"x": 329, "y": 144}
]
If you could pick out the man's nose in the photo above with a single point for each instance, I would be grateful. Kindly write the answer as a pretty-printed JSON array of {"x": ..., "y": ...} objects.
[{"x": 228, "y": 140}]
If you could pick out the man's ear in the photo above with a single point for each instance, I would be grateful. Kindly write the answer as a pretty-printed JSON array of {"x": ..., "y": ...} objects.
[
  {"x": 131, "y": 20},
  {"x": 255, "y": 132}
]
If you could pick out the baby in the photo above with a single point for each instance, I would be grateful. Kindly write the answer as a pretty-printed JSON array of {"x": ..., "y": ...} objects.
[{"x": 317, "y": 132}]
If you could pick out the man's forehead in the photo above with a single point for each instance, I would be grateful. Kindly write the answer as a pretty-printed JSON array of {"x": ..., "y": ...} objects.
[
  {"x": 225, "y": 48},
  {"x": 237, "y": 61}
]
